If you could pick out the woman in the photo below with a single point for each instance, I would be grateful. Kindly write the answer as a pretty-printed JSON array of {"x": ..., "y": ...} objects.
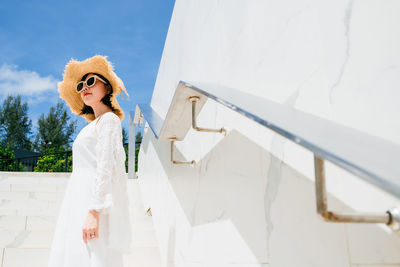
[{"x": 93, "y": 227}]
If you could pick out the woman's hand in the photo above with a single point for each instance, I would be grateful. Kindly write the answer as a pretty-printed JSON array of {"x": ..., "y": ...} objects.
[{"x": 90, "y": 229}]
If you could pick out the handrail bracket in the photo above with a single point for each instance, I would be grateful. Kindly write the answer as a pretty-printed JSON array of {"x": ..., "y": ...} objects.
[
  {"x": 194, "y": 100},
  {"x": 192, "y": 163},
  {"x": 141, "y": 120},
  {"x": 138, "y": 117},
  {"x": 390, "y": 218}
]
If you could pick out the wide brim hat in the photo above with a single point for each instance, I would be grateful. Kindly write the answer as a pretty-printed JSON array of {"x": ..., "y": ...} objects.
[{"x": 73, "y": 73}]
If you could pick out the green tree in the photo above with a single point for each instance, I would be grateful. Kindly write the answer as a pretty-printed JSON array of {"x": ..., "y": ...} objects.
[
  {"x": 53, "y": 162},
  {"x": 124, "y": 136},
  {"x": 6, "y": 160},
  {"x": 125, "y": 144},
  {"x": 138, "y": 138},
  {"x": 136, "y": 158},
  {"x": 15, "y": 125},
  {"x": 138, "y": 141},
  {"x": 54, "y": 130}
]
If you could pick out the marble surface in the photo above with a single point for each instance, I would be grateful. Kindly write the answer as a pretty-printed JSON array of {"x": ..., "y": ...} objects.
[
  {"x": 251, "y": 198},
  {"x": 28, "y": 212}
]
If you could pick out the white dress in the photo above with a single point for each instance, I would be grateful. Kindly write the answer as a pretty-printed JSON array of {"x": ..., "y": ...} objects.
[{"x": 98, "y": 181}]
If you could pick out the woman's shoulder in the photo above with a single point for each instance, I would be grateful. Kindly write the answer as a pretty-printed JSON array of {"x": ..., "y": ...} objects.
[
  {"x": 107, "y": 118},
  {"x": 110, "y": 116}
]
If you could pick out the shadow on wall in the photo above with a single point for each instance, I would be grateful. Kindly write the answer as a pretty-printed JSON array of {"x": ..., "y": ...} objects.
[{"x": 242, "y": 204}]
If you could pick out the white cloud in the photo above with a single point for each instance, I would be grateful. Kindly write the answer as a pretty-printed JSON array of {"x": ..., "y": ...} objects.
[{"x": 24, "y": 82}]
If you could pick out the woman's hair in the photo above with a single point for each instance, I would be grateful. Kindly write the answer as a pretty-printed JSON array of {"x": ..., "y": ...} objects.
[{"x": 106, "y": 99}]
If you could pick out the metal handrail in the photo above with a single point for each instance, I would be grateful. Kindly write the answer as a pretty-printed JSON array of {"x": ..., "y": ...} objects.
[{"x": 345, "y": 147}]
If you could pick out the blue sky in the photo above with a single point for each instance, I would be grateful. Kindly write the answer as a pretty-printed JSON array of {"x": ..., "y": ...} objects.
[{"x": 37, "y": 39}]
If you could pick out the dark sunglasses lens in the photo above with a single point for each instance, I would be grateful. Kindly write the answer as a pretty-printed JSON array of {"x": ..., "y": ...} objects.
[
  {"x": 90, "y": 81},
  {"x": 79, "y": 87}
]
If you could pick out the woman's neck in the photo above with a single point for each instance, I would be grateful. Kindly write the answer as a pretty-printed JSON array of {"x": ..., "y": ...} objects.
[{"x": 98, "y": 113}]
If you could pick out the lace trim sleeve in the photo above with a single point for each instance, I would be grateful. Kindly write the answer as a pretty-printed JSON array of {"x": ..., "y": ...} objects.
[{"x": 108, "y": 131}]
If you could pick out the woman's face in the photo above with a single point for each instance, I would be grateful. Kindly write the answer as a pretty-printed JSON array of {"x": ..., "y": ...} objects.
[{"x": 93, "y": 95}]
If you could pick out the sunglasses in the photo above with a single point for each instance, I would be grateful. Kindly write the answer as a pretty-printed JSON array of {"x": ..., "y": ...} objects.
[{"x": 89, "y": 83}]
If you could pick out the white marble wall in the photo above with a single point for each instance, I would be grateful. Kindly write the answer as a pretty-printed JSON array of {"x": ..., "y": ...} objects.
[{"x": 251, "y": 201}]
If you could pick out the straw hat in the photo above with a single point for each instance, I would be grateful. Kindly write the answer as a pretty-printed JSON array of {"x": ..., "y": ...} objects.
[{"x": 73, "y": 73}]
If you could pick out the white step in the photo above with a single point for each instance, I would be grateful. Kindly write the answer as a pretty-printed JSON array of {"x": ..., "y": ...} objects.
[{"x": 29, "y": 207}]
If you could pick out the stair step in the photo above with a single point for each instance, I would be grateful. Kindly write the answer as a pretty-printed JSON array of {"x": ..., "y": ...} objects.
[
  {"x": 37, "y": 257},
  {"x": 29, "y": 208}
]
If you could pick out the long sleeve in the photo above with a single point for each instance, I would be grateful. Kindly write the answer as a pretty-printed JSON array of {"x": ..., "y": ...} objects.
[{"x": 108, "y": 131}]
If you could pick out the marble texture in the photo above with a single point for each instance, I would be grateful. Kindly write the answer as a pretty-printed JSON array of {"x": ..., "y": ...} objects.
[
  {"x": 12, "y": 222},
  {"x": 5, "y": 187},
  {"x": 28, "y": 218},
  {"x": 383, "y": 248},
  {"x": 41, "y": 223},
  {"x": 251, "y": 198},
  {"x": 17, "y": 257}
]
